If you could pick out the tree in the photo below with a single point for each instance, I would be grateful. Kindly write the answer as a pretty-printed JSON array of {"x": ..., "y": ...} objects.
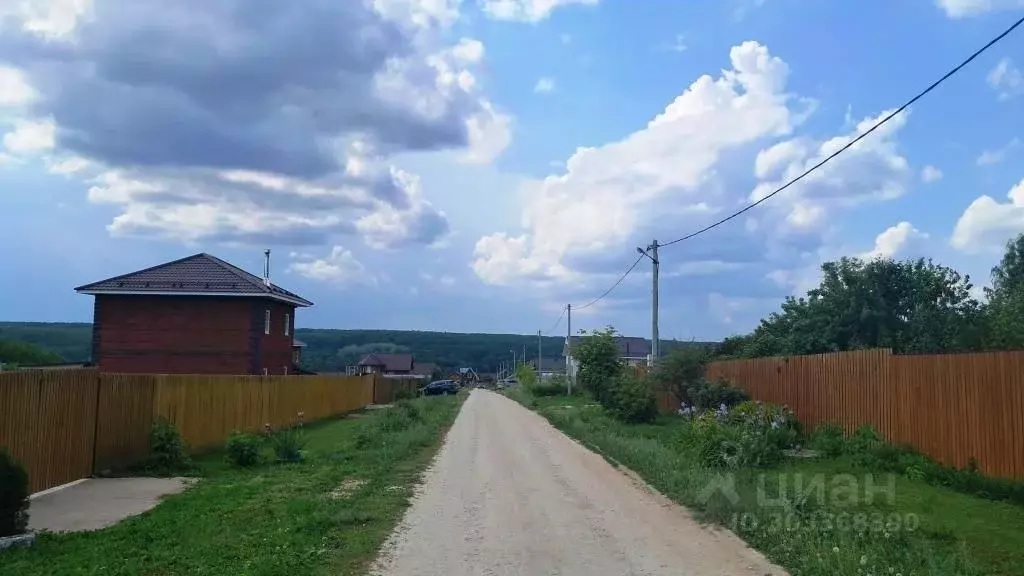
[
  {"x": 599, "y": 363},
  {"x": 1005, "y": 311},
  {"x": 24, "y": 354},
  {"x": 682, "y": 370},
  {"x": 908, "y": 306}
]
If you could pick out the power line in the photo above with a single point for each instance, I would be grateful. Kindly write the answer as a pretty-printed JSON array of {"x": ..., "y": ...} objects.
[
  {"x": 613, "y": 286},
  {"x": 890, "y": 116},
  {"x": 557, "y": 322}
]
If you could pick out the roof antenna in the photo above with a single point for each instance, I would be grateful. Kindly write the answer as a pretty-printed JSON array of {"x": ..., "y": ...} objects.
[{"x": 266, "y": 267}]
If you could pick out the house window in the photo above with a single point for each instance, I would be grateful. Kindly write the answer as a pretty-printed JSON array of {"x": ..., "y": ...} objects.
[
  {"x": 266, "y": 321},
  {"x": 287, "y": 324}
]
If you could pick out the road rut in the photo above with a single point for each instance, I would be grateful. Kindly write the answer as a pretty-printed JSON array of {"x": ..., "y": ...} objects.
[{"x": 510, "y": 494}]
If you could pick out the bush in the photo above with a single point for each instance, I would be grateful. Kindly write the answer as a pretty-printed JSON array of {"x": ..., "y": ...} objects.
[
  {"x": 168, "y": 452},
  {"x": 288, "y": 442},
  {"x": 551, "y": 387},
  {"x": 829, "y": 439},
  {"x": 630, "y": 400},
  {"x": 13, "y": 496},
  {"x": 394, "y": 420},
  {"x": 243, "y": 449},
  {"x": 405, "y": 394},
  {"x": 411, "y": 411},
  {"x": 711, "y": 395},
  {"x": 751, "y": 434}
]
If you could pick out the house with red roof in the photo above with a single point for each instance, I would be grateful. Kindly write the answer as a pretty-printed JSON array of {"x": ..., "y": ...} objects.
[{"x": 196, "y": 315}]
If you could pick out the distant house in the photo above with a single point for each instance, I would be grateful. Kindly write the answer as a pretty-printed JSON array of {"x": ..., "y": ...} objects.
[
  {"x": 549, "y": 367},
  {"x": 196, "y": 315},
  {"x": 396, "y": 365},
  {"x": 633, "y": 351}
]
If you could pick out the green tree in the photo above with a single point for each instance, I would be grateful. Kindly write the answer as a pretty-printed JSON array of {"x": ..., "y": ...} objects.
[
  {"x": 681, "y": 371},
  {"x": 599, "y": 363},
  {"x": 1005, "y": 310},
  {"x": 526, "y": 375},
  {"x": 25, "y": 354},
  {"x": 909, "y": 306}
]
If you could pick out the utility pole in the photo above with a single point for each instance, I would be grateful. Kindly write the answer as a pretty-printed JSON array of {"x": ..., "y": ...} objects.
[
  {"x": 540, "y": 358},
  {"x": 652, "y": 254},
  {"x": 568, "y": 344}
]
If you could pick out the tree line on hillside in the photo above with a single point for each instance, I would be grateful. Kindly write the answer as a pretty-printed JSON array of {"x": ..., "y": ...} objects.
[
  {"x": 910, "y": 306},
  {"x": 331, "y": 350}
]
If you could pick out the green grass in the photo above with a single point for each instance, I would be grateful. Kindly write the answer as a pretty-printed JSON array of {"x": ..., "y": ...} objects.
[
  {"x": 272, "y": 518},
  {"x": 922, "y": 530}
]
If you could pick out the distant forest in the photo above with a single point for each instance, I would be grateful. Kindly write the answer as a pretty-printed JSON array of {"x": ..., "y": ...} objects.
[{"x": 330, "y": 350}]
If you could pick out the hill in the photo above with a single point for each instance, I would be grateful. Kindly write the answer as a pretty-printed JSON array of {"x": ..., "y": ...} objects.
[{"x": 330, "y": 350}]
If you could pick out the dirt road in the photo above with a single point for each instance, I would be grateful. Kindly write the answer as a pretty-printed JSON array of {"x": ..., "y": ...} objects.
[{"x": 510, "y": 494}]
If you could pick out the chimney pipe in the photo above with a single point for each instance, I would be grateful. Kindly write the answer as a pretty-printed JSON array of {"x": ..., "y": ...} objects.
[{"x": 266, "y": 267}]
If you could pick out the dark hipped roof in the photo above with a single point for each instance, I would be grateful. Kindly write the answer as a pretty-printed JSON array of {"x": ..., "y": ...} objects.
[
  {"x": 389, "y": 362},
  {"x": 423, "y": 368},
  {"x": 198, "y": 275}
]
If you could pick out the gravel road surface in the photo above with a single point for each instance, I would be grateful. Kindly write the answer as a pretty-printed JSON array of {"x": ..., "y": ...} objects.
[{"x": 510, "y": 494}]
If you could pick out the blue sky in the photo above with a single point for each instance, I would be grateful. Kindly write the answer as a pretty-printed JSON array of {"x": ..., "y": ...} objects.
[{"x": 474, "y": 165}]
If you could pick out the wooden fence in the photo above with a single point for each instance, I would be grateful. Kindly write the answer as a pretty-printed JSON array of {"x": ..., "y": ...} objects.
[
  {"x": 385, "y": 389},
  {"x": 953, "y": 407},
  {"x": 67, "y": 424}
]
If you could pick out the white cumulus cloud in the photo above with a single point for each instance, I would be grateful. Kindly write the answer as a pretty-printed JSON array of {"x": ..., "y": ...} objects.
[
  {"x": 964, "y": 8},
  {"x": 987, "y": 223},
  {"x": 930, "y": 174},
  {"x": 606, "y": 193},
  {"x": 338, "y": 267},
  {"x": 526, "y": 10},
  {"x": 30, "y": 137},
  {"x": 895, "y": 241}
]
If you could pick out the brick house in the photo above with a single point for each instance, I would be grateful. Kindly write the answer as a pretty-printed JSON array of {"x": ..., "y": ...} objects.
[{"x": 196, "y": 315}]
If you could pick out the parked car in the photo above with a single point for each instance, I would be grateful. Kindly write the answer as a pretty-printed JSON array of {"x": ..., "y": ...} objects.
[
  {"x": 505, "y": 382},
  {"x": 440, "y": 387}
]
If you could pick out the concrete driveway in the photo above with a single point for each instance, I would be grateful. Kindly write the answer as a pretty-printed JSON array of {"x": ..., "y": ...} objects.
[{"x": 99, "y": 502}]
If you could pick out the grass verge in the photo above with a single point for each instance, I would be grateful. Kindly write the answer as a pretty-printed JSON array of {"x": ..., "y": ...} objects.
[
  {"x": 328, "y": 514},
  {"x": 850, "y": 528}
]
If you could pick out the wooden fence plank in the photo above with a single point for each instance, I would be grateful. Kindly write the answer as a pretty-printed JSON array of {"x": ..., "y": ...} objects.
[
  {"x": 63, "y": 425},
  {"x": 953, "y": 407}
]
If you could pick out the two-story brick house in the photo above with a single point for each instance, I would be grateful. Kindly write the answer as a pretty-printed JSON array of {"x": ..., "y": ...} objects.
[{"x": 196, "y": 315}]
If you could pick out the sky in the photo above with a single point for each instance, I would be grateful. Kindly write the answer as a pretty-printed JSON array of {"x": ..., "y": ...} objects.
[{"x": 475, "y": 165}]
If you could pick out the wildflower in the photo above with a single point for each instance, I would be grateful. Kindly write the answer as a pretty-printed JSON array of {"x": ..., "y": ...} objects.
[
  {"x": 863, "y": 560},
  {"x": 835, "y": 549}
]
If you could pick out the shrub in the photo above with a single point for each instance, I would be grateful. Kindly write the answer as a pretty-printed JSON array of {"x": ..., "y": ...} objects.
[
  {"x": 549, "y": 388},
  {"x": 394, "y": 420},
  {"x": 751, "y": 434},
  {"x": 411, "y": 411},
  {"x": 711, "y": 395},
  {"x": 243, "y": 449},
  {"x": 405, "y": 394},
  {"x": 13, "y": 496},
  {"x": 168, "y": 452},
  {"x": 629, "y": 399},
  {"x": 680, "y": 371},
  {"x": 829, "y": 439},
  {"x": 288, "y": 442}
]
